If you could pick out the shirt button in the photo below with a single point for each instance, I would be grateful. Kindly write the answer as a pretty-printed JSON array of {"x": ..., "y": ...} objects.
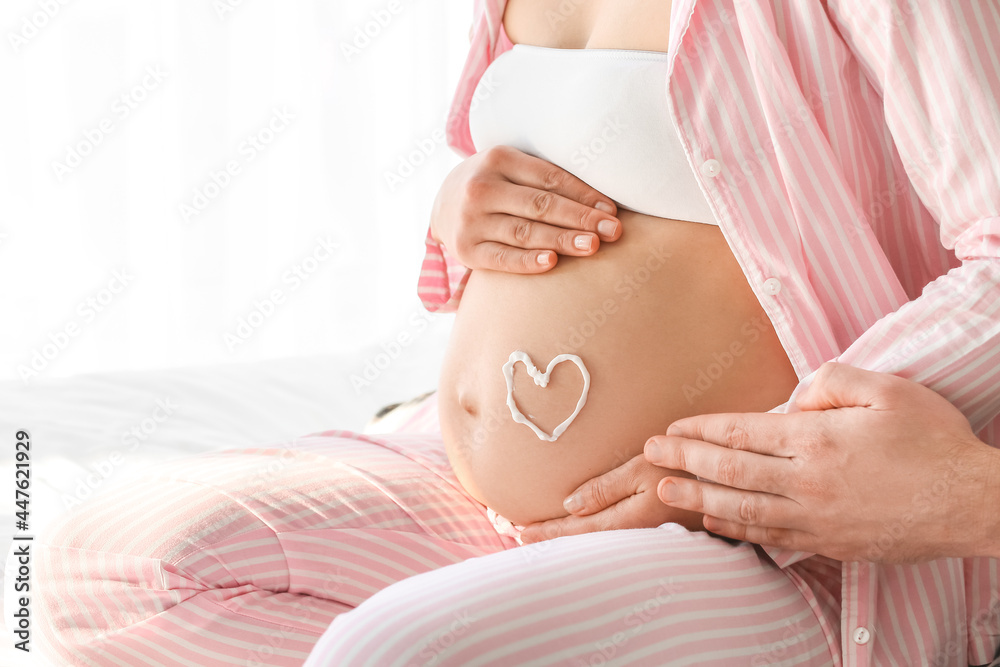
[
  {"x": 772, "y": 286},
  {"x": 861, "y": 635},
  {"x": 711, "y": 168}
]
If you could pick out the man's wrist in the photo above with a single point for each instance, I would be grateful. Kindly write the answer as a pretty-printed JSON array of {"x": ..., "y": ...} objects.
[
  {"x": 992, "y": 538},
  {"x": 979, "y": 535}
]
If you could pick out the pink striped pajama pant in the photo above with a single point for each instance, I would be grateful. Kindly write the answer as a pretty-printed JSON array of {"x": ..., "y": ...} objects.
[{"x": 344, "y": 549}]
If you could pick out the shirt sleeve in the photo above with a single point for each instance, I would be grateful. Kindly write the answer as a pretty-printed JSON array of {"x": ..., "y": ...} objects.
[
  {"x": 935, "y": 66},
  {"x": 442, "y": 278}
]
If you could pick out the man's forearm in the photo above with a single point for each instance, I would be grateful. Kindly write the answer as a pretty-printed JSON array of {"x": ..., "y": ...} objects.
[
  {"x": 981, "y": 534},
  {"x": 992, "y": 538}
]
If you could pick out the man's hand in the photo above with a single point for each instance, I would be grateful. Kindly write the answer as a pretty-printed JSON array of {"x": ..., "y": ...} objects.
[
  {"x": 622, "y": 498},
  {"x": 875, "y": 468}
]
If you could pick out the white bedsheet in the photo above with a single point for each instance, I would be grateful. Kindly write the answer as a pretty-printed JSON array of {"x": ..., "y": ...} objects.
[{"x": 80, "y": 427}]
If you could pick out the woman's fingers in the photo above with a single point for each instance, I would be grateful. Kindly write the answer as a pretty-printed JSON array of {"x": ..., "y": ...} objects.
[
  {"x": 731, "y": 467},
  {"x": 502, "y": 257},
  {"x": 505, "y": 210},
  {"x": 631, "y": 512},
  {"x": 604, "y": 491},
  {"x": 542, "y": 191},
  {"x": 559, "y": 210},
  {"x": 518, "y": 212},
  {"x": 534, "y": 235},
  {"x": 518, "y": 245},
  {"x": 763, "y": 510},
  {"x": 567, "y": 525}
]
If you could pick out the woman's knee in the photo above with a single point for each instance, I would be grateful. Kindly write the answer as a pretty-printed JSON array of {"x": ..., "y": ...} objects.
[
  {"x": 256, "y": 520},
  {"x": 624, "y": 597}
]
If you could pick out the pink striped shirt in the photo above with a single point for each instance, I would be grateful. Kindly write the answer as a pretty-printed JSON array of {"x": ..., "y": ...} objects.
[{"x": 859, "y": 146}]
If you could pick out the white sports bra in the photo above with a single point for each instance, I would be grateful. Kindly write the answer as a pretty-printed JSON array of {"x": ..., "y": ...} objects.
[{"x": 600, "y": 114}]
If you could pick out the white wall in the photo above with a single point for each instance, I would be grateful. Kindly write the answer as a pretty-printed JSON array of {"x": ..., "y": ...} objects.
[{"x": 223, "y": 69}]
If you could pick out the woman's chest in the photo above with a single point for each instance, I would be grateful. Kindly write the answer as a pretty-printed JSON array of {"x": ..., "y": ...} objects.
[{"x": 591, "y": 24}]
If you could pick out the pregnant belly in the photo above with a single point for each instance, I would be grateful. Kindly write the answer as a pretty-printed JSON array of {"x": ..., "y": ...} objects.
[{"x": 667, "y": 327}]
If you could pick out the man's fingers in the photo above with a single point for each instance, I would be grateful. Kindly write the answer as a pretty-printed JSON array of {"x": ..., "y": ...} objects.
[
  {"x": 730, "y": 467},
  {"x": 748, "y": 508},
  {"x": 763, "y": 433},
  {"x": 836, "y": 385},
  {"x": 773, "y": 537},
  {"x": 601, "y": 492}
]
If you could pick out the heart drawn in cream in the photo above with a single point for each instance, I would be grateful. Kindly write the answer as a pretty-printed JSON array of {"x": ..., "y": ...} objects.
[{"x": 542, "y": 380}]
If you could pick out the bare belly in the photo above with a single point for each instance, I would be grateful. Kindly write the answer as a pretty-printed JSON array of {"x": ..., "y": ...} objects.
[{"x": 667, "y": 327}]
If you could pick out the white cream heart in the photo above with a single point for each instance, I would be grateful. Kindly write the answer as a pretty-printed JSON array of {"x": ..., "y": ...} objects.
[{"x": 542, "y": 380}]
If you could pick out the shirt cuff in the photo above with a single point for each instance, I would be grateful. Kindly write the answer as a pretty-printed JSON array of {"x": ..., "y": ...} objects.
[{"x": 442, "y": 278}]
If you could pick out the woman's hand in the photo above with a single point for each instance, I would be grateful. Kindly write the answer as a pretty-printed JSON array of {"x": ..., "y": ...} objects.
[
  {"x": 876, "y": 468},
  {"x": 505, "y": 210},
  {"x": 622, "y": 498}
]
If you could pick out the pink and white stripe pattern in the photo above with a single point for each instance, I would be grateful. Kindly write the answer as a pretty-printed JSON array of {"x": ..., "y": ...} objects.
[
  {"x": 854, "y": 140},
  {"x": 244, "y": 557},
  {"x": 655, "y": 596},
  {"x": 344, "y": 549},
  {"x": 859, "y": 188}
]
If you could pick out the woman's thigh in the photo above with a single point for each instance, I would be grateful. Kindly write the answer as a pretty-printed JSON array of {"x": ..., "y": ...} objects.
[
  {"x": 659, "y": 596},
  {"x": 244, "y": 557}
]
